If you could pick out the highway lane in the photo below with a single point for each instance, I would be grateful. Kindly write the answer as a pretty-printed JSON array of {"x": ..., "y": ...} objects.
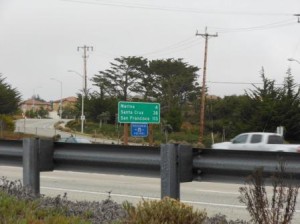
[
  {"x": 41, "y": 127},
  {"x": 213, "y": 197},
  {"x": 45, "y": 128}
]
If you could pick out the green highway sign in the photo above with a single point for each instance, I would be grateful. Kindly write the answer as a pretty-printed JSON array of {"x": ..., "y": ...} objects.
[{"x": 138, "y": 112}]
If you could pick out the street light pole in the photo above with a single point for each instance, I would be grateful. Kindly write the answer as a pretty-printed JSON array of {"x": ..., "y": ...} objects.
[
  {"x": 82, "y": 118},
  {"x": 33, "y": 98},
  {"x": 60, "y": 106}
]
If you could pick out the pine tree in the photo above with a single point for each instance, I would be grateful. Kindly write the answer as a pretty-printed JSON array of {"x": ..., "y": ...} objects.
[{"x": 9, "y": 97}]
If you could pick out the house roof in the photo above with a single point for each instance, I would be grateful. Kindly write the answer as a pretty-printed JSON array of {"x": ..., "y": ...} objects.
[
  {"x": 34, "y": 102},
  {"x": 70, "y": 99}
]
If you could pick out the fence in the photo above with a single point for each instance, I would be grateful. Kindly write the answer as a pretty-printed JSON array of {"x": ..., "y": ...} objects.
[{"x": 36, "y": 131}]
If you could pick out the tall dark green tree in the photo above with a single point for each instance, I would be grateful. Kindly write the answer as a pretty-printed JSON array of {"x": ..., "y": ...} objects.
[
  {"x": 121, "y": 78},
  {"x": 146, "y": 85},
  {"x": 9, "y": 97},
  {"x": 175, "y": 83},
  {"x": 228, "y": 115},
  {"x": 104, "y": 86},
  {"x": 287, "y": 109},
  {"x": 170, "y": 82},
  {"x": 95, "y": 106},
  {"x": 175, "y": 80},
  {"x": 260, "y": 109},
  {"x": 264, "y": 101}
]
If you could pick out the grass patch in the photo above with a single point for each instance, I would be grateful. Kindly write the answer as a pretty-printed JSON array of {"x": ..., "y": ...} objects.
[
  {"x": 19, "y": 205},
  {"x": 14, "y": 210}
]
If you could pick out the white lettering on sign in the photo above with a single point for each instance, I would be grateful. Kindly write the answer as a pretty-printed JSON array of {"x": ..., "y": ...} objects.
[
  {"x": 126, "y": 112},
  {"x": 124, "y": 117},
  {"x": 138, "y": 112},
  {"x": 139, "y": 118},
  {"x": 127, "y": 106}
]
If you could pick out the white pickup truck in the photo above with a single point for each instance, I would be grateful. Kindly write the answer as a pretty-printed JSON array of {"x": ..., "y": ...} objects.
[{"x": 258, "y": 141}]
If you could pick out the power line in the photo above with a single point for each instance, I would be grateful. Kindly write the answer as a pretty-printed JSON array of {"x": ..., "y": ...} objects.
[
  {"x": 179, "y": 46},
  {"x": 242, "y": 83},
  {"x": 175, "y": 9},
  {"x": 254, "y": 28}
]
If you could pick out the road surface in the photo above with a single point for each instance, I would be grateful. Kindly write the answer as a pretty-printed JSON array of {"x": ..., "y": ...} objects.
[
  {"x": 213, "y": 197},
  {"x": 45, "y": 128}
]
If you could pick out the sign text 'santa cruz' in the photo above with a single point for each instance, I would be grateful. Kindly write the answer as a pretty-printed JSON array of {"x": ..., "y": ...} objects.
[{"x": 138, "y": 112}]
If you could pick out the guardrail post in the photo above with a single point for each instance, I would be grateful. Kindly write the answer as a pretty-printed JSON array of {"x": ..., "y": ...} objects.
[
  {"x": 185, "y": 162},
  {"x": 37, "y": 156},
  {"x": 46, "y": 151},
  {"x": 170, "y": 185},
  {"x": 31, "y": 173},
  {"x": 176, "y": 167}
]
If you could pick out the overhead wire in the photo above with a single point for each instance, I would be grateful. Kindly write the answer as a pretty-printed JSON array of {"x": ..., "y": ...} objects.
[
  {"x": 176, "y": 9},
  {"x": 254, "y": 28},
  {"x": 189, "y": 42},
  {"x": 178, "y": 46},
  {"x": 242, "y": 83}
]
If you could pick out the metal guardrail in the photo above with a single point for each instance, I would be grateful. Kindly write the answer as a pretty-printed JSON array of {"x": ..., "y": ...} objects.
[
  {"x": 207, "y": 164},
  {"x": 142, "y": 160},
  {"x": 237, "y": 164},
  {"x": 11, "y": 148}
]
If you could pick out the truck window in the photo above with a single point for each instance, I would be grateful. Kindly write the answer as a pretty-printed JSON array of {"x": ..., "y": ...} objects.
[
  {"x": 240, "y": 139},
  {"x": 275, "y": 139},
  {"x": 256, "y": 138}
]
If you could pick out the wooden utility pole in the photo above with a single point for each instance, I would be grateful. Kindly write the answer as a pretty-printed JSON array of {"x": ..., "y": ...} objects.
[
  {"x": 126, "y": 129},
  {"x": 85, "y": 92},
  {"x": 150, "y": 126},
  {"x": 202, "y": 103},
  {"x": 85, "y": 56}
]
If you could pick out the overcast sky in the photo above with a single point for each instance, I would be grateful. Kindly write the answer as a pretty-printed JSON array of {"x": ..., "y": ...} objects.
[{"x": 39, "y": 40}]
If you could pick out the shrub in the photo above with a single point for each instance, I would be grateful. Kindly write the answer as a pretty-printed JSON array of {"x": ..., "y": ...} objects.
[
  {"x": 163, "y": 211},
  {"x": 281, "y": 208},
  {"x": 7, "y": 123},
  {"x": 73, "y": 124}
]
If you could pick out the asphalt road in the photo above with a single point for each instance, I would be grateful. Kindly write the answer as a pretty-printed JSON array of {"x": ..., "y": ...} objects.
[
  {"x": 213, "y": 197},
  {"x": 45, "y": 128}
]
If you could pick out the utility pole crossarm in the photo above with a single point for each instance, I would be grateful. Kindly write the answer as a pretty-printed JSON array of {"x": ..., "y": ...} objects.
[{"x": 202, "y": 107}]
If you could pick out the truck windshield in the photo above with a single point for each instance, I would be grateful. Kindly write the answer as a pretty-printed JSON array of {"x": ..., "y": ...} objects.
[{"x": 240, "y": 139}]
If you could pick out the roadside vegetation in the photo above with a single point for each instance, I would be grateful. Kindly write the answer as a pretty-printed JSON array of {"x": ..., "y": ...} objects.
[
  {"x": 277, "y": 209},
  {"x": 175, "y": 85},
  {"x": 19, "y": 205}
]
